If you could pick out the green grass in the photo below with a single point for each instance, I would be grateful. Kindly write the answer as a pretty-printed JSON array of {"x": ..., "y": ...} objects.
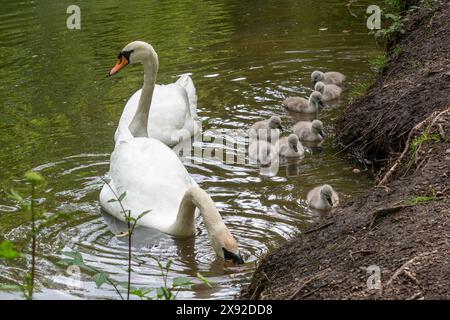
[
  {"x": 379, "y": 63},
  {"x": 421, "y": 199},
  {"x": 359, "y": 90},
  {"x": 420, "y": 140},
  {"x": 396, "y": 52}
]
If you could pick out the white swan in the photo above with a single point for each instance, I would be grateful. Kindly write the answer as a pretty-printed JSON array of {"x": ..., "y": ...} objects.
[
  {"x": 154, "y": 178},
  {"x": 323, "y": 198},
  {"x": 173, "y": 115}
]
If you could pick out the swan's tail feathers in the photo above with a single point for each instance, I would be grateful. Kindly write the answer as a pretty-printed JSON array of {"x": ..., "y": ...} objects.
[
  {"x": 186, "y": 82},
  {"x": 122, "y": 133}
]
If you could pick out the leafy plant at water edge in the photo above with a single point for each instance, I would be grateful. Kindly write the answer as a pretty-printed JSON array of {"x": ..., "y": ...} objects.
[
  {"x": 38, "y": 222},
  {"x": 168, "y": 291},
  {"x": 35, "y": 180},
  {"x": 131, "y": 225},
  {"x": 76, "y": 259},
  {"x": 396, "y": 17}
]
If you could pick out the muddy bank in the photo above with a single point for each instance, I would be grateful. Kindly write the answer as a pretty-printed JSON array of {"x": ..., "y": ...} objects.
[{"x": 401, "y": 129}]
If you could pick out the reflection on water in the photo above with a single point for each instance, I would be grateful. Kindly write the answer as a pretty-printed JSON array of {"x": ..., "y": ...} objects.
[{"x": 59, "y": 113}]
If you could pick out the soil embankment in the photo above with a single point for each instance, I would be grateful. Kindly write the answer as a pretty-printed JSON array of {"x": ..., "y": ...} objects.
[{"x": 401, "y": 129}]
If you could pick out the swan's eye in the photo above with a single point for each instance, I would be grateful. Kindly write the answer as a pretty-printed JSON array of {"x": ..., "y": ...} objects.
[{"x": 125, "y": 54}]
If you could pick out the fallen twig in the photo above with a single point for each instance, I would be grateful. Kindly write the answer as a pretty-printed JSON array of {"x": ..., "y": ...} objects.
[
  {"x": 351, "y": 253},
  {"x": 314, "y": 277},
  {"x": 311, "y": 292},
  {"x": 442, "y": 132},
  {"x": 319, "y": 228},
  {"x": 385, "y": 211},
  {"x": 411, "y": 276},
  {"x": 415, "y": 296}
]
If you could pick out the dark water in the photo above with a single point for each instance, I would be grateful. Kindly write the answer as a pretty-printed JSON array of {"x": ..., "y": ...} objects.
[{"x": 59, "y": 113}]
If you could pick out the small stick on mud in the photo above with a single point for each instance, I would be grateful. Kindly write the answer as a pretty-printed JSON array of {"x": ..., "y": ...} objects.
[
  {"x": 314, "y": 277},
  {"x": 385, "y": 211},
  {"x": 311, "y": 292},
  {"x": 416, "y": 296},
  {"x": 319, "y": 228},
  {"x": 365, "y": 252},
  {"x": 442, "y": 132}
]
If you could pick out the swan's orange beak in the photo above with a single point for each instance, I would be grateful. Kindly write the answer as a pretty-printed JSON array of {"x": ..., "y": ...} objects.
[{"x": 123, "y": 62}]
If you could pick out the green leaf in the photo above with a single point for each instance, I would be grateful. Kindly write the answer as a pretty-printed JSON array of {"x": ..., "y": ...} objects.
[
  {"x": 204, "y": 280},
  {"x": 112, "y": 200},
  {"x": 160, "y": 292},
  {"x": 122, "y": 196},
  {"x": 100, "y": 278},
  {"x": 160, "y": 264},
  {"x": 7, "y": 250},
  {"x": 142, "y": 215},
  {"x": 168, "y": 264},
  {"x": 10, "y": 287},
  {"x": 164, "y": 294},
  {"x": 182, "y": 282},
  {"x": 141, "y": 292},
  {"x": 77, "y": 258}
]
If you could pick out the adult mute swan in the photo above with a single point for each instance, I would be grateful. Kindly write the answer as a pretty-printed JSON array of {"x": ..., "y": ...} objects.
[
  {"x": 154, "y": 178},
  {"x": 173, "y": 115}
]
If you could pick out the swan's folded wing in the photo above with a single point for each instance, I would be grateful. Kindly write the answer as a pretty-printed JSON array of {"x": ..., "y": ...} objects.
[{"x": 153, "y": 178}]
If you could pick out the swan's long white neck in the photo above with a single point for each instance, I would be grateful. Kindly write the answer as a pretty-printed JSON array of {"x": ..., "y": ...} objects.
[
  {"x": 138, "y": 126},
  {"x": 184, "y": 224}
]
